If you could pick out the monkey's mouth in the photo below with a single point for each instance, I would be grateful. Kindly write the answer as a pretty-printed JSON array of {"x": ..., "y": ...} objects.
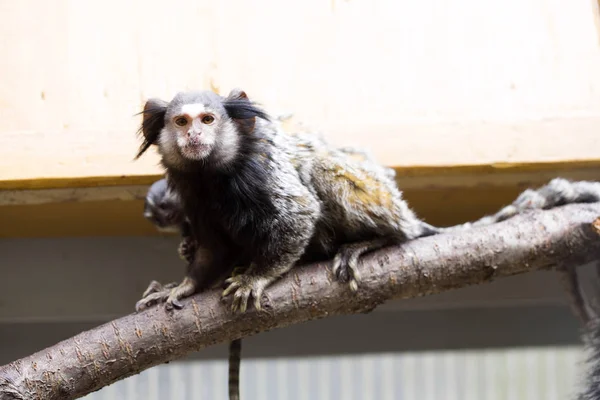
[
  {"x": 196, "y": 145},
  {"x": 196, "y": 149}
]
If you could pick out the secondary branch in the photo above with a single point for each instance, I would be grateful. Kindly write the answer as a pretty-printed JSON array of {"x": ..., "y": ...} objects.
[{"x": 128, "y": 345}]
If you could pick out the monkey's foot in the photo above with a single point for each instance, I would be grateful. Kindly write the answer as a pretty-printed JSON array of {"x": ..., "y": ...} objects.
[
  {"x": 156, "y": 286},
  {"x": 243, "y": 287},
  {"x": 345, "y": 262},
  {"x": 170, "y": 294}
]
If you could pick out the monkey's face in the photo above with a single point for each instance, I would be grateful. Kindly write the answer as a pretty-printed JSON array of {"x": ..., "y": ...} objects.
[
  {"x": 163, "y": 207},
  {"x": 163, "y": 214},
  {"x": 198, "y": 128}
]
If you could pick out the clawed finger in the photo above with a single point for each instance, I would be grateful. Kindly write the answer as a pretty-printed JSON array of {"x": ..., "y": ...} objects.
[
  {"x": 244, "y": 287},
  {"x": 345, "y": 267},
  {"x": 173, "y": 302},
  {"x": 240, "y": 300},
  {"x": 257, "y": 296},
  {"x": 342, "y": 272},
  {"x": 337, "y": 263},
  {"x": 148, "y": 301},
  {"x": 153, "y": 287},
  {"x": 232, "y": 286},
  {"x": 140, "y": 305},
  {"x": 353, "y": 267}
]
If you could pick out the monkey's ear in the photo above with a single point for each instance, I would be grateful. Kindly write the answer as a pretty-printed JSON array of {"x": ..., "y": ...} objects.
[
  {"x": 152, "y": 123},
  {"x": 237, "y": 93},
  {"x": 242, "y": 110}
]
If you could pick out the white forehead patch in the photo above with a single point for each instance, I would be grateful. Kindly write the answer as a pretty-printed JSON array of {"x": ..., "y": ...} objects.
[{"x": 193, "y": 110}]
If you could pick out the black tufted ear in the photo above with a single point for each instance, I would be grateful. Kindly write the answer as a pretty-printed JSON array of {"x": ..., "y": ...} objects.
[
  {"x": 152, "y": 123},
  {"x": 242, "y": 110}
]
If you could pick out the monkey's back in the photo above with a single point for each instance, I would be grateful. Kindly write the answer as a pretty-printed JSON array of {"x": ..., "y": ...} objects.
[{"x": 358, "y": 197}]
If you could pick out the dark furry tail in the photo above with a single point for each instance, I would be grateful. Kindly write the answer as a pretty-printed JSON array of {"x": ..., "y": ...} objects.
[
  {"x": 586, "y": 307},
  {"x": 591, "y": 386},
  {"x": 235, "y": 357},
  {"x": 556, "y": 193}
]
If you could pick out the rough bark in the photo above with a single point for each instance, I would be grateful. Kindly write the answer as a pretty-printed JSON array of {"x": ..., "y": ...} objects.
[{"x": 77, "y": 366}]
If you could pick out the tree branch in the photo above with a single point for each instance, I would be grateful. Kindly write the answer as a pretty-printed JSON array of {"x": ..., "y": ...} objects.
[{"x": 131, "y": 344}]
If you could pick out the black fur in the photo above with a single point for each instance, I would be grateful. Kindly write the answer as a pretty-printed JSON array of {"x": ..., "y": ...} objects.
[
  {"x": 591, "y": 388},
  {"x": 152, "y": 124},
  {"x": 243, "y": 112},
  {"x": 238, "y": 201},
  {"x": 236, "y": 210},
  {"x": 241, "y": 108}
]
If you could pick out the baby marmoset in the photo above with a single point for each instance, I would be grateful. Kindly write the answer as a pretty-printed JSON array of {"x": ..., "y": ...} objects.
[
  {"x": 258, "y": 196},
  {"x": 162, "y": 207}
]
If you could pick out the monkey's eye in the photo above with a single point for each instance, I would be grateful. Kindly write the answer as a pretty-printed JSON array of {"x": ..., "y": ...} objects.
[
  {"x": 180, "y": 121},
  {"x": 208, "y": 119}
]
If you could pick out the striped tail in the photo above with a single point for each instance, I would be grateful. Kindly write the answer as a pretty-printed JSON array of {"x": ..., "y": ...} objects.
[
  {"x": 235, "y": 357},
  {"x": 586, "y": 306}
]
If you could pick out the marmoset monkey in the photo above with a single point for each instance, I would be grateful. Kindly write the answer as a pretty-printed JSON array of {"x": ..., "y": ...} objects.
[
  {"x": 258, "y": 196},
  {"x": 163, "y": 208}
]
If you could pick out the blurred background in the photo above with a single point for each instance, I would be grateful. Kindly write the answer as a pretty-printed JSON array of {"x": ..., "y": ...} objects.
[{"x": 470, "y": 100}]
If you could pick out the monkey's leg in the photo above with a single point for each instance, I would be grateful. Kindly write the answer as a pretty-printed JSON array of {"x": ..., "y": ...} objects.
[
  {"x": 282, "y": 246},
  {"x": 345, "y": 262}
]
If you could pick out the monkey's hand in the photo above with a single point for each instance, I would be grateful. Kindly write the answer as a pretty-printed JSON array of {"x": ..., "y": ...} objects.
[
  {"x": 345, "y": 262},
  {"x": 246, "y": 285},
  {"x": 187, "y": 249},
  {"x": 170, "y": 294}
]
